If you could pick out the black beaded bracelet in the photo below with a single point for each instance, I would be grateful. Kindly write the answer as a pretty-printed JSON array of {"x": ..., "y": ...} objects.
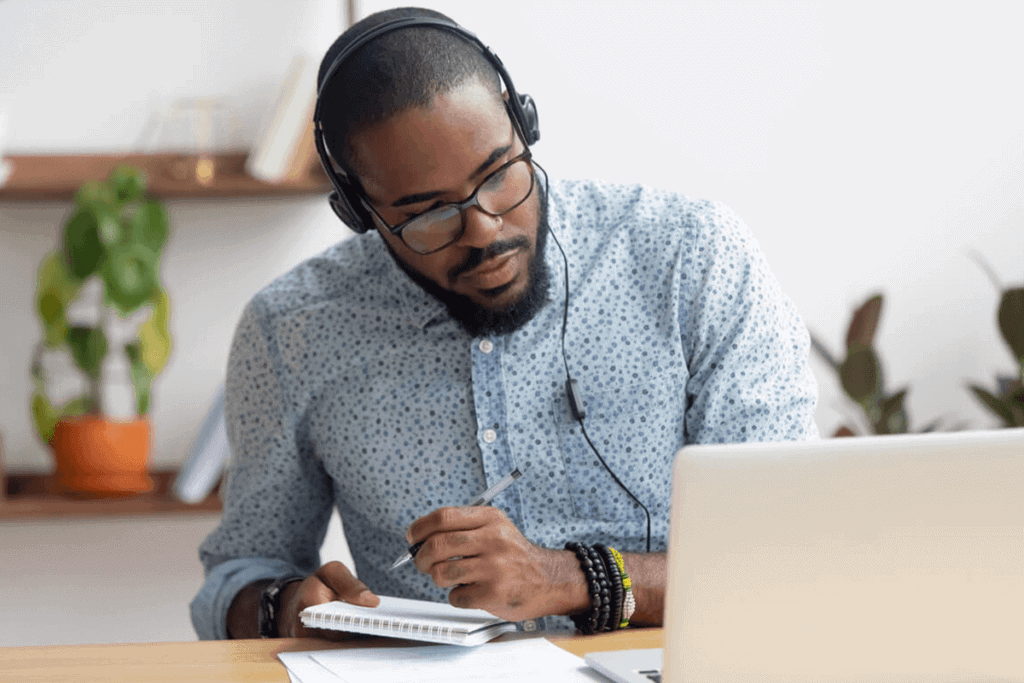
[
  {"x": 587, "y": 622},
  {"x": 604, "y": 612},
  {"x": 617, "y": 592}
]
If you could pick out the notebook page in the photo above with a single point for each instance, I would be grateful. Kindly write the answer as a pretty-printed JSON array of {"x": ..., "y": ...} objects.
[{"x": 535, "y": 660}]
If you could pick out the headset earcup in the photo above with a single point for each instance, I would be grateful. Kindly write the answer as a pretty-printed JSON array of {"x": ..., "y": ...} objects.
[
  {"x": 531, "y": 124},
  {"x": 349, "y": 214}
]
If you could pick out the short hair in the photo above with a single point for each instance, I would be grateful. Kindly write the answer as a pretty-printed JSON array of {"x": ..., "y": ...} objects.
[{"x": 397, "y": 71}]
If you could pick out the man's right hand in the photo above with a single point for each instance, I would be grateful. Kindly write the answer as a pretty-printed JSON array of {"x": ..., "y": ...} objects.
[{"x": 333, "y": 581}]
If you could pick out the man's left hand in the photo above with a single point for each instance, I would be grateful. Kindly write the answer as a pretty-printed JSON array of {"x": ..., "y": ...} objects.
[{"x": 490, "y": 565}]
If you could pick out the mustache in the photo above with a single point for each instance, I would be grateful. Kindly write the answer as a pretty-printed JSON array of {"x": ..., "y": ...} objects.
[{"x": 496, "y": 248}]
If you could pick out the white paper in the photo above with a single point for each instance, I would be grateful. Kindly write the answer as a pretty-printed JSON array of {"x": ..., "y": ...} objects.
[{"x": 535, "y": 660}]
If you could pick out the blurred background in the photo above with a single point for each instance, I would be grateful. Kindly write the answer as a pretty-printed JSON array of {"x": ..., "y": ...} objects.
[{"x": 869, "y": 146}]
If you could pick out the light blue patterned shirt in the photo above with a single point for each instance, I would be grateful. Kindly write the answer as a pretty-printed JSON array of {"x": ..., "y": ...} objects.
[{"x": 350, "y": 386}]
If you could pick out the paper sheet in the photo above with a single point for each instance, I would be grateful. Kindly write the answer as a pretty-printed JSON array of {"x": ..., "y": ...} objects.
[{"x": 535, "y": 660}]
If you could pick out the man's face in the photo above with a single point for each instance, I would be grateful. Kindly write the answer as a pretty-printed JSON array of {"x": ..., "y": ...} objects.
[{"x": 423, "y": 157}]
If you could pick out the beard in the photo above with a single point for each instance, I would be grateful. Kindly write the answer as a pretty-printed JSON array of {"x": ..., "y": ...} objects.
[{"x": 479, "y": 320}]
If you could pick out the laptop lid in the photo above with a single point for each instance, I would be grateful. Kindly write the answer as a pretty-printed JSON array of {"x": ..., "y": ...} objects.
[{"x": 895, "y": 558}]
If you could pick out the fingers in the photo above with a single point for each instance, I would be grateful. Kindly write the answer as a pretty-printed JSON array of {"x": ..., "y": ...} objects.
[
  {"x": 471, "y": 596},
  {"x": 443, "y": 546},
  {"x": 333, "y": 581},
  {"x": 336, "y": 582},
  {"x": 461, "y": 571},
  {"x": 452, "y": 519}
]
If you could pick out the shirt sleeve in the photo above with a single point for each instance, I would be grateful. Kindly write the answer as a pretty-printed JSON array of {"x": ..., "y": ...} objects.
[
  {"x": 747, "y": 347},
  {"x": 277, "y": 496}
]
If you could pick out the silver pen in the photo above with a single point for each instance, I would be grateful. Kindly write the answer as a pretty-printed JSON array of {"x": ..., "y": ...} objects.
[{"x": 484, "y": 498}]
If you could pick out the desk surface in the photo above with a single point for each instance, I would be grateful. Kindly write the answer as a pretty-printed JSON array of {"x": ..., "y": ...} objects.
[{"x": 236, "y": 660}]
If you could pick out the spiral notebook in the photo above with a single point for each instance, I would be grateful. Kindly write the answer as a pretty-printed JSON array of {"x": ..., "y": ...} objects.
[{"x": 432, "y": 622}]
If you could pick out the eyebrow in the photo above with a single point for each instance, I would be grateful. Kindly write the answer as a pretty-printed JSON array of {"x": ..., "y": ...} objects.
[{"x": 424, "y": 196}]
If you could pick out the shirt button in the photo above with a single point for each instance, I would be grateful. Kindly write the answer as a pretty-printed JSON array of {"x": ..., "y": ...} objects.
[
  {"x": 490, "y": 435},
  {"x": 486, "y": 346},
  {"x": 529, "y": 625}
]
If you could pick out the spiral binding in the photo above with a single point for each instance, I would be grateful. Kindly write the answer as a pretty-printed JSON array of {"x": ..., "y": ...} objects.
[{"x": 382, "y": 625}]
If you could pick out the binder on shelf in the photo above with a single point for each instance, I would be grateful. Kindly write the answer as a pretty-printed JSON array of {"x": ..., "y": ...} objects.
[
  {"x": 208, "y": 457},
  {"x": 284, "y": 147}
]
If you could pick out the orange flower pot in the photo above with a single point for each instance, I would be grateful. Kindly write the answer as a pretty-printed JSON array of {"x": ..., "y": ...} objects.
[{"x": 98, "y": 457}]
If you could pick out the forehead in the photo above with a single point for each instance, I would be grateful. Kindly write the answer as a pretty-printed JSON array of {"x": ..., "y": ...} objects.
[{"x": 436, "y": 148}]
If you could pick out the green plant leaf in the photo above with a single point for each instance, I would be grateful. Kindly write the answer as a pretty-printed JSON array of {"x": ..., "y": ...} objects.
[
  {"x": 109, "y": 228},
  {"x": 859, "y": 374},
  {"x": 1011, "y": 321},
  {"x": 89, "y": 348},
  {"x": 44, "y": 416},
  {"x": 149, "y": 225},
  {"x": 83, "y": 250},
  {"x": 54, "y": 293},
  {"x": 83, "y": 405},
  {"x": 864, "y": 323},
  {"x": 94, "y": 193},
  {"x": 995, "y": 404},
  {"x": 142, "y": 379},
  {"x": 1015, "y": 401},
  {"x": 130, "y": 276},
  {"x": 893, "y": 415},
  {"x": 128, "y": 183},
  {"x": 155, "y": 335}
]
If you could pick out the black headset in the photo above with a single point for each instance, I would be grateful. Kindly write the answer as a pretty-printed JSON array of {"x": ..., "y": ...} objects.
[{"x": 346, "y": 200}]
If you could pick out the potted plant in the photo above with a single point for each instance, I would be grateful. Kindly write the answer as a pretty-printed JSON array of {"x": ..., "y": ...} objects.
[
  {"x": 108, "y": 264},
  {"x": 862, "y": 379},
  {"x": 1007, "y": 402}
]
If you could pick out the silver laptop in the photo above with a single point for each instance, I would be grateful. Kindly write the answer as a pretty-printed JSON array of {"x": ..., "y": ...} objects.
[{"x": 869, "y": 559}]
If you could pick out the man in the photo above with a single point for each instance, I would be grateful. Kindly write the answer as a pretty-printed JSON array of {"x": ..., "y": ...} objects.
[{"x": 405, "y": 370}]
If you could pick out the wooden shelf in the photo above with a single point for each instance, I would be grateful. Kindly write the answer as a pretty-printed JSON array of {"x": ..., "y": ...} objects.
[
  {"x": 28, "y": 496},
  {"x": 54, "y": 176}
]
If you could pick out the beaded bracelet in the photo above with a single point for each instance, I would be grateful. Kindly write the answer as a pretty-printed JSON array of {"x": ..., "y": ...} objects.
[
  {"x": 587, "y": 622},
  {"x": 629, "y": 601},
  {"x": 600, "y": 567},
  {"x": 616, "y": 589}
]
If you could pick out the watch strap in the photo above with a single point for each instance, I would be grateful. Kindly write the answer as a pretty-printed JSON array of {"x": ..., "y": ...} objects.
[{"x": 270, "y": 605}]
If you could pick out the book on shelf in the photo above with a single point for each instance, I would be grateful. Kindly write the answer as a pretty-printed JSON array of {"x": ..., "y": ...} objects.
[
  {"x": 284, "y": 148},
  {"x": 433, "y": 622},
  {"x": 206, "y": 460}
]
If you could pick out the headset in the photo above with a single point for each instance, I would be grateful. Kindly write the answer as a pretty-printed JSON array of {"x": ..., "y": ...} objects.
[{"x": 347, "y": 198}]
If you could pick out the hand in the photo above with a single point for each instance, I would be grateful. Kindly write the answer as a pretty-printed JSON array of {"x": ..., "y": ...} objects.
[
  {"x": 333, "y": 581},
  {"x": 490, "y": 565}
]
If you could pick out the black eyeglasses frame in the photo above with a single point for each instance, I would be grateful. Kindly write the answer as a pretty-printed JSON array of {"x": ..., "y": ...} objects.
[{"x": 463, "y": 205}]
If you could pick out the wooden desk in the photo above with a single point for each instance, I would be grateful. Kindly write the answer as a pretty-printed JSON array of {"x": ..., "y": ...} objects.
[{"x": 229, "y": 661}]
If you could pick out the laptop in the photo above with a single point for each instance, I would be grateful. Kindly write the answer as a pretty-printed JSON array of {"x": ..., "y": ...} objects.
[{"x": 870, "y": 559}]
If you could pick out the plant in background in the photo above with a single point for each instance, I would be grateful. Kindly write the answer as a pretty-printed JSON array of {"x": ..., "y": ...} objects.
[
  {"x": 861, "y": 376},
  {"x": 1008, "y": 400},
  {"x": 114, "y": 236}
]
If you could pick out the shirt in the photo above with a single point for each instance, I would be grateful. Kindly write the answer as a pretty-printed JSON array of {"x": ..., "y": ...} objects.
[{"x": 349, "y": 385}]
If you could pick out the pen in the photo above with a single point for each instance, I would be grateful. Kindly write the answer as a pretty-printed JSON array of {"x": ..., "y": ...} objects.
[{"x": 484, "y": 498}]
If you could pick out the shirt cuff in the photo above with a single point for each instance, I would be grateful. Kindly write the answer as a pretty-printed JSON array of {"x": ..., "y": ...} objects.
[{"x": 209, "y": 609}]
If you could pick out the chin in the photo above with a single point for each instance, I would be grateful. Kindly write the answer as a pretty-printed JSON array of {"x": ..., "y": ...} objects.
[{"x": 503, "y": 297}]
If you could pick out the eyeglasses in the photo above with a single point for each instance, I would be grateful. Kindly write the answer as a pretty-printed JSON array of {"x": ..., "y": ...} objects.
[{"x": 500, "y": 192}]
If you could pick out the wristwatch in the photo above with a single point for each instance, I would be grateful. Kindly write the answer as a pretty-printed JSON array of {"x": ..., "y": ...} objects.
[{"x": 270, "y": 606}]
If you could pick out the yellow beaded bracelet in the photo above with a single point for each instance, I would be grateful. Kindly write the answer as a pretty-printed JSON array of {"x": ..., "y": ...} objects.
[{"x": 629, "y": 602}]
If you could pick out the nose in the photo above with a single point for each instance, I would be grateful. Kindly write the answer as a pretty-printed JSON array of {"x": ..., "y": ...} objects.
[{"x": 481, "y": 228}]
